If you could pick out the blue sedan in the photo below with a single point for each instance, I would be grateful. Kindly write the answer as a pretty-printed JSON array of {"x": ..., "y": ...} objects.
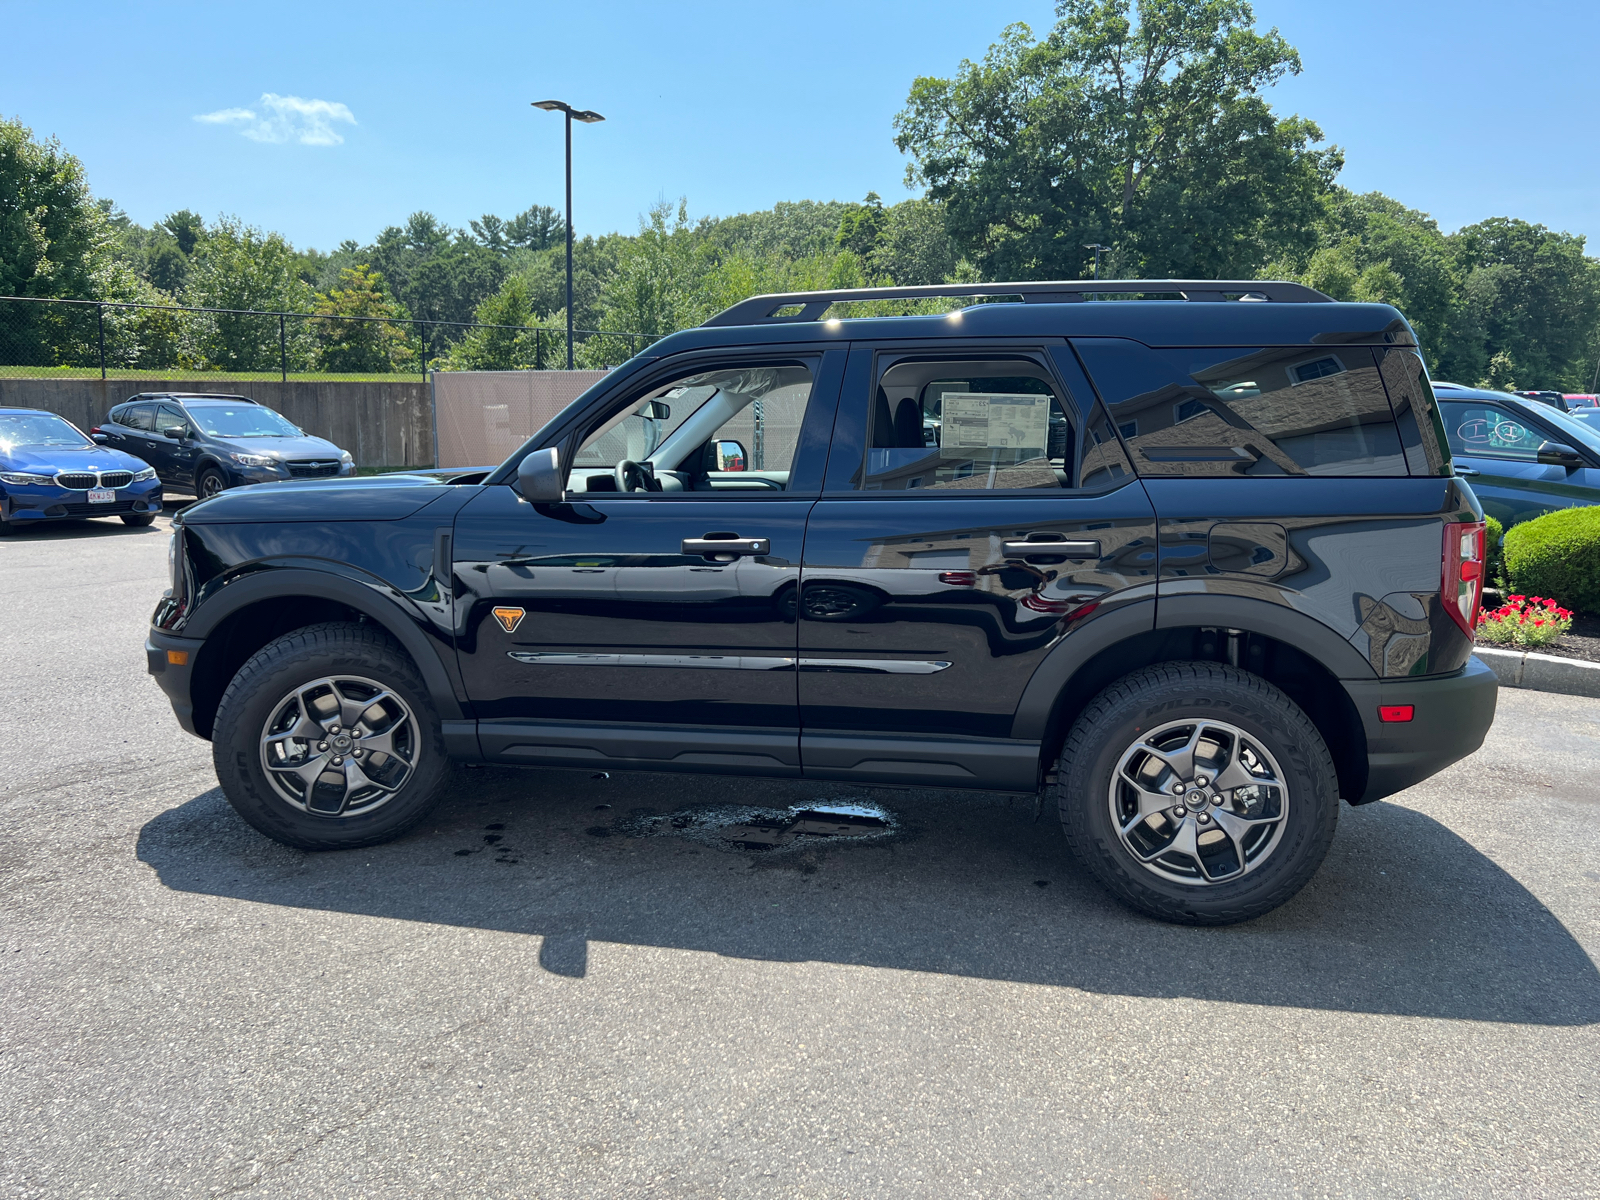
[
  {"x": 49, "y": 471},
  {"x": 1522, "y": 458}
]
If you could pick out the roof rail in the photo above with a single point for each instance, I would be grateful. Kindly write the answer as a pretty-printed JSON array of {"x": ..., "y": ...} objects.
[{"x": 809, "y": 306}]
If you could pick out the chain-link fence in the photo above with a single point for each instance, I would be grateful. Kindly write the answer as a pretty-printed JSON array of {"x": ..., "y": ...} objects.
[{"x": 90, "y": 339}]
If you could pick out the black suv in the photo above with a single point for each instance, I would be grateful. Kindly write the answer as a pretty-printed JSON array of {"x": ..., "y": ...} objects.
[
  {"x": 208, "y": 443},
  {"x": 1195, "y": 570}
]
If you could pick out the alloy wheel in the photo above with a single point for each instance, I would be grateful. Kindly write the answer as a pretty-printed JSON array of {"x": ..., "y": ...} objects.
[
  {"x": 339, "y": 746},
  {"x": 1199, "y": 802}
]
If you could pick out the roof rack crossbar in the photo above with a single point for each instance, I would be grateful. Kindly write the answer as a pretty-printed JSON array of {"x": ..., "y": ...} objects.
[{"x": 809, "y": 306}]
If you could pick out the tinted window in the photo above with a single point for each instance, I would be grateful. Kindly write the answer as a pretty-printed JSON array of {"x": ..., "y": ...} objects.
[
  {"x": 969, "y": 426},
  {"x": 167, "y": 418},
  {"x": 1489, "y": 431},
  {"x": 1274, "y": 411},
  {"x": 138, "y": 416},
  {"x": 1411, "y": 399},
  {"x": 1580, "y": 431}
]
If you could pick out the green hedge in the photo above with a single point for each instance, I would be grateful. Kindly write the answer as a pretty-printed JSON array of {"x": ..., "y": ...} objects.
[
  {"x": 1495, "y": 566},
  {"x": 1557, "y": 555}
]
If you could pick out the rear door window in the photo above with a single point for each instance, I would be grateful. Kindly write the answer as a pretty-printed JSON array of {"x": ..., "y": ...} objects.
[
  {"x": 1277, "y": 410},
  {"x": 138, "y": 416},
  {"x": 1489, "y": 431},
  {"x": 981, "y": 425}
]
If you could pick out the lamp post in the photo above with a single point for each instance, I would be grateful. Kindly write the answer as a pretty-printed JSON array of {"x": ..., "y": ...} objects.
[
  {"x": 588, "y": 118},
  {"x": 1097, "y": 248}
]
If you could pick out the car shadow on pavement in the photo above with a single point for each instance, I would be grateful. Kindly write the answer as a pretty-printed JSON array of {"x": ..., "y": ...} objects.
[{"x": 1405, "y": 917}]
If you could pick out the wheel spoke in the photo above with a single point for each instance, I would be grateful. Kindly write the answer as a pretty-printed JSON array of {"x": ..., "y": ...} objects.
[
  {"x": 1181, "y": 760},
  {"x": 383, "y": 743},
  {"x": 307, "y": 771},
  {"x": 1150, "y": 803},
  {"x": 1183, "y": 842}
]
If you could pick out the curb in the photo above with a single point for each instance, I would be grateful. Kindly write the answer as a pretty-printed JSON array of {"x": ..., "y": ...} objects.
[{"x": 1542, "y": 672}]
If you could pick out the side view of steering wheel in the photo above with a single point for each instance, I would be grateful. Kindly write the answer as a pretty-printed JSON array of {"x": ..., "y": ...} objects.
[{"x": 636, "y": 477}]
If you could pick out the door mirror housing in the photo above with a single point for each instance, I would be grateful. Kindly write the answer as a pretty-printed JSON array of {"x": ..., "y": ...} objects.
[
  {"x": 539, "y": 477},
  {"x": 731, "y": 457},
  {"x": 1559, "y": 454},
  {"x": 98, "y": 438},
  {"x": 175, "y": 432}
]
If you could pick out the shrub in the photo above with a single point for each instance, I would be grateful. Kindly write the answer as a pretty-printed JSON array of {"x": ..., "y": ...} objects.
[
  {"x": 1557, "y": 555},
  {"x": 1524, "y": 621},
  {"x": 1495, "y": 566}
]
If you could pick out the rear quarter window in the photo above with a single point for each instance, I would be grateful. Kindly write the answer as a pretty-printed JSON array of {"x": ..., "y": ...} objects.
[{"x": 1231, "y": 411}]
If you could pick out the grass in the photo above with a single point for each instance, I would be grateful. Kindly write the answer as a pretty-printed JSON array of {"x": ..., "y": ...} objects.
[{"x": 177, "y": 373}]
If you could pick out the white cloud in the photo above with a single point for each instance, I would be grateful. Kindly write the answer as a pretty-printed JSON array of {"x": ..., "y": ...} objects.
[{"x": 286, "y": 119}]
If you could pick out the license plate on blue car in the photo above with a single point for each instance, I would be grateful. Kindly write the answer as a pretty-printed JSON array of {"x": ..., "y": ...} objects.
[{"x": 102, "y": 496}]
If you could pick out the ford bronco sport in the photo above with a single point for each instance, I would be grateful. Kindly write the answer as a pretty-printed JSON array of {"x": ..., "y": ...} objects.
[{"x": 1187, "y": 558}]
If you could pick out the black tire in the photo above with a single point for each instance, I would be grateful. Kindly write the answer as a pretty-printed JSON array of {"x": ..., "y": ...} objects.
[
  {"x": 6, "y": 528},
  {"x": 209, "y": 482},
  {"x": 258, "y": 691},
  {"x": 1141, "y": 703},
  {"x": 138, "y": 519}
]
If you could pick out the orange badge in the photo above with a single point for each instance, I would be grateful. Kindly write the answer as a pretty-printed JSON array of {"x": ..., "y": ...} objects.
[{"x": 509, "y": 618}]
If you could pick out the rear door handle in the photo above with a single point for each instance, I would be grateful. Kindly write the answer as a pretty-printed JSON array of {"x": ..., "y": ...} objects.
[
  {"x": 726, "y": 546},
  {"x": 1061, "y": 549}
]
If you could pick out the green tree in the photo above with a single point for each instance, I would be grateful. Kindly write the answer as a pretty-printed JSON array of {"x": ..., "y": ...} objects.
[
  {"x": 1144, "y": 130},
  {"x": 357, "y": 334},
  {"x": 438, "y": 273},
  {"x": 504, "y": 339},
  {"x": 237, "y": 266}
]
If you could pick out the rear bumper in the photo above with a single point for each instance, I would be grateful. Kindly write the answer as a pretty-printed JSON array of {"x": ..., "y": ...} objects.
[
  {"x": 1451, "y": 715},
  {"x": 171, "y": 660}
]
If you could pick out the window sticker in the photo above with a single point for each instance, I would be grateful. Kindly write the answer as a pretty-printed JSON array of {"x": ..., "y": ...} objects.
[{"x": 995, "y": 420}]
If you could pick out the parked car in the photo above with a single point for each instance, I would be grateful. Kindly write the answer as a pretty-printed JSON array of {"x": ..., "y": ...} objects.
[
  {"x": 1580, "y": 400},
  {"x": 206, "y": 444},
  {"x": 50, "y": 471},
  {"x": 1194, "y": 594},
  {"x": 1552, "y": 398},
  {"x": 1524, "y": 458}
]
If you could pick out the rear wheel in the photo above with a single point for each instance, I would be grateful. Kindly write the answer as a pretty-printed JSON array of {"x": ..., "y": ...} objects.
[
  {"x": 1198, "y": 793},
  {"x": 327, "y": 739},
  {"x": 209, "y": 482},
  {"x": 138, "y": 518}
]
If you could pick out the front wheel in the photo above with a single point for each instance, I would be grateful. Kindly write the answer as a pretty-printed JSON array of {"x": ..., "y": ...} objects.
[
  {"x": 209, "y": 483},
  {"x": 1197, "y": 793},
  {"x": 327, "y": 739}
]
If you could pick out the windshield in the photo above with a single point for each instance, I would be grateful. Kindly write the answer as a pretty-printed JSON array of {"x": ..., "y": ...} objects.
[
  {"x": 1581, "y": 432},
  {"x": 37, "y": 429},
  {"x": 242, "y": 421}
]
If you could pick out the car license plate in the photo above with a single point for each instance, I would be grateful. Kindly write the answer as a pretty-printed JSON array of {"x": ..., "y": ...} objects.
[{"x": 102, "y": 496}]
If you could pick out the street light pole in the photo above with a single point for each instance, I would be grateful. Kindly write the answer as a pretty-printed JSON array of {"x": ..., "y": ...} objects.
[
  {"x": 588, "y": 118},
  {"x": 1097, "y": 248}
]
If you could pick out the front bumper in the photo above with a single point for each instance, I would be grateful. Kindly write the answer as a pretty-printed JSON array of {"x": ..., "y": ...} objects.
[
  {"x": 1451, "y": 715},
  {"x": 36, "y": 502},
  {"x": 171, "y": 660}
]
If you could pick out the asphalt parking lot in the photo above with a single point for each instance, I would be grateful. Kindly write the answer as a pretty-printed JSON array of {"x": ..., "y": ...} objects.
[{"x": 543, "y": 993}]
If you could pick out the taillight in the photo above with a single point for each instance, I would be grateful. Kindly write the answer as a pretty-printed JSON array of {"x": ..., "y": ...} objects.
[{"x": 1461, "y": 590}]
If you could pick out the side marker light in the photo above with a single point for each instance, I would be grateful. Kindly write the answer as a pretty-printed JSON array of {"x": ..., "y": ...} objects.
[
  {"x": 178, "y": 658},
  {"x": 1396, "y": 712}
]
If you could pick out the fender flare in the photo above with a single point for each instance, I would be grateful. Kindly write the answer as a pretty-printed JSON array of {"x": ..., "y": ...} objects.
[
  {"x": 1055, "y": 672},
  {"x": 367, "y": 598}
]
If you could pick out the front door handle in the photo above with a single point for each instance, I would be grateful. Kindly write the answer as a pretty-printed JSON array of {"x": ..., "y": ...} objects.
[
  {"x": 1459, "y": 470},
  {"x": 725, "y": 547},
  {"x": 1035, "y": 546}
]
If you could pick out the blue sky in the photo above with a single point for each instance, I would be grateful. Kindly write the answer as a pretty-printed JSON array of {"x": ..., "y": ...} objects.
[{"x": 1462, "y": 109}]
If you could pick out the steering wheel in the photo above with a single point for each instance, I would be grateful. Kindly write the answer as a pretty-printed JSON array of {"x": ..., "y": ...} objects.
[{"x": 636, "y": 477}]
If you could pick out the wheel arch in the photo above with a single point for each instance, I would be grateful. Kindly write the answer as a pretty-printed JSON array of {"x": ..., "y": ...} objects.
[
  {"x": 255, "y": 609},
  {"x": 1290, "y": 651}
]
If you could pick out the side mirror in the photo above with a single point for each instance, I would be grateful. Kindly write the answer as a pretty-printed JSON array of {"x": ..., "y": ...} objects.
[
  {"x": 98, "y": 438},
  {"x": 1559, "y": 454},
  {"x": 731, "y": 457},
  {"x": 539, "y": 477},
  {"x": 175, "y": 432}
]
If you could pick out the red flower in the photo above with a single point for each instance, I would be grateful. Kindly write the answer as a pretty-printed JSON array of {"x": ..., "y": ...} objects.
[
  {"x": 1516, "y": 599},
  {"x": 1538, "y": 623}
]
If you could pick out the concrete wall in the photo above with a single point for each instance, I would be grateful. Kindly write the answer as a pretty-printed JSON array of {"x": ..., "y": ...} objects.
[{"x": 382, "y": 424}]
